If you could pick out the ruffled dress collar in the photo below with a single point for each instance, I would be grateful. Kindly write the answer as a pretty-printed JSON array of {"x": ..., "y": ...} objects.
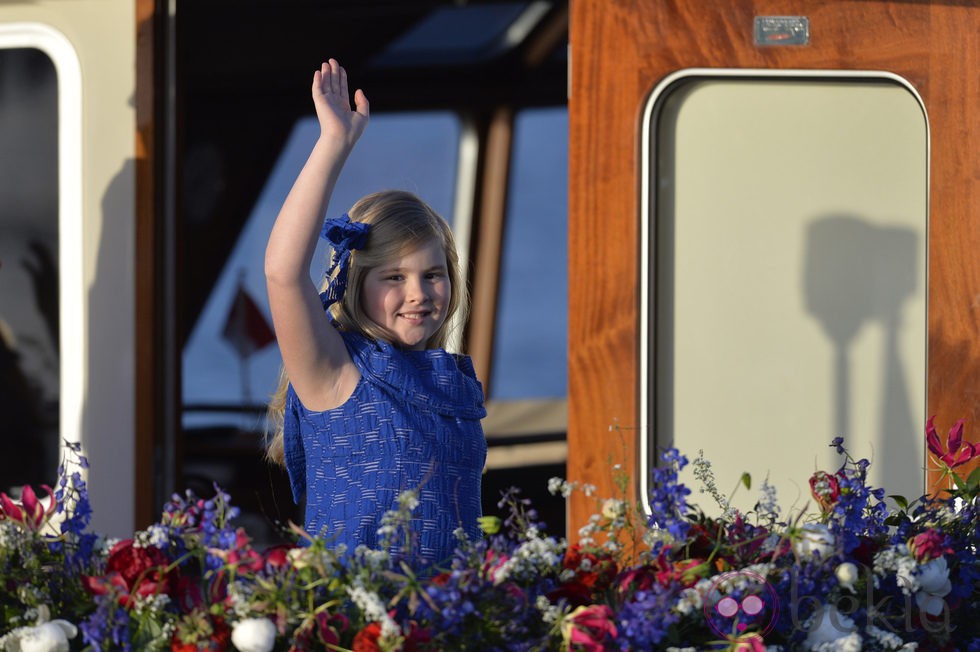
[{"x": 434, "y": 379}]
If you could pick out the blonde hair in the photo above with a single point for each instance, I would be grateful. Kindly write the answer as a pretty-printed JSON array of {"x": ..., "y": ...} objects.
[{"x": 400, "y": 224}]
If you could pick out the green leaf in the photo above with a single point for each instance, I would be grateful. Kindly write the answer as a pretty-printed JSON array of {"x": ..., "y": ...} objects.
[
  {"x": 747, "y": 480},
  {"x": 960, "y": 484},
  {"x": 974, "y": 478},
  {"x": 901, "y": 501}
]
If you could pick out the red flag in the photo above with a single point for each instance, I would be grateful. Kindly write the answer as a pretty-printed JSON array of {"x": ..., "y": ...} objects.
[{"x": 246, "y": 328}]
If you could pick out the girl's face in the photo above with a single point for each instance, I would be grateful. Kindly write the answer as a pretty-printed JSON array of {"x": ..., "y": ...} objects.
[{"x": 408, "y": 296}]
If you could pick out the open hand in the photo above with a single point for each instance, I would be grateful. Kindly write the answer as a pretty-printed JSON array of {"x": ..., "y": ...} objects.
[{"x": 338, "y": 121}]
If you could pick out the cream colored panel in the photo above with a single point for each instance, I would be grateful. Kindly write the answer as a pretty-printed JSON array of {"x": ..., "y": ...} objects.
[
  {"x": 788, "y": 277},
  {"x": 93, "y": 46}
]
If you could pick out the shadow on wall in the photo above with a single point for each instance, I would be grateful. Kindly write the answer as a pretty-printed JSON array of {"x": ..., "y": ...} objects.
[
  {"x": 108, "y": 418},
  {"x": 857, "y": 273}
]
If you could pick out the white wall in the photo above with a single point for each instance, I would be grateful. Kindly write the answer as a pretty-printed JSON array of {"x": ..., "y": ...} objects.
[{"x": 92, "y": 43}]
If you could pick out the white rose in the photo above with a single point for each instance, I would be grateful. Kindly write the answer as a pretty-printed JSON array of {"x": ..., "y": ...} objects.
[
  {"x": 934, "y": 585},
  {"x": 48, "y": 637},
  {"x": 847, "y": 575},
  {"x": 827, "y": 625},
  {"x": 814, "y": 539},
  {"x": 254, "y": 635}
]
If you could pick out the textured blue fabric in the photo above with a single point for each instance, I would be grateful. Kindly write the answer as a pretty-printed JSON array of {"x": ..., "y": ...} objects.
[
  {"x": 413, "y": 422},
  {"x": 344, "y": 236}
]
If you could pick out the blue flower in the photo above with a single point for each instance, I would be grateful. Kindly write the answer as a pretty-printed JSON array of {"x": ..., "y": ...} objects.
[{"x": 668, "y": 497}]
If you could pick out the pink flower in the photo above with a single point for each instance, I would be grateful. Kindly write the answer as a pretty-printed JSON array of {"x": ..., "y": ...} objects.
[
  {"x": 31, "y": 512},
  {"x": 957, "y": 451},
  {"x": 748, "y": 643},
  {"x": 639, "y": 578},
  {"x": 588, "y": 627},
  {"x": 330, "y": 626},
  {"x": 929, "y": 545},
  {"x": 493, "y": 565}
]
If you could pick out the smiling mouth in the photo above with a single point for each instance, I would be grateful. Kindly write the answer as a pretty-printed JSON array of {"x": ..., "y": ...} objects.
[{"x": 414, "y": 316}]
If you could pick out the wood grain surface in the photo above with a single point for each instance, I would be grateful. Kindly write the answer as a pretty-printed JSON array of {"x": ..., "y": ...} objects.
[{"x": 620, "y": 50}]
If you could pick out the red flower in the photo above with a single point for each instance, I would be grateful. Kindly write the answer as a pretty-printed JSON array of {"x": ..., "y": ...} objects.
[
  {"x": 686, "y": 572},
  {"x": 865, "y": 551},
  {"x": 825, "y": 489},
  {"x": 575, "y": 593},
  {"x": 416, "y": 639},
  {"x": 366, "y": 640},
  {"x": 664, "y": 572},
  {"x": 278, "y": 556},
  {"x": 957, "y": 451},
  {"x": 704, "y": 541},
  {"x": 241, "y": 554},
  {"x": 593, "y": 571},
  {"x": 589, "y": 628},
  {"x": 188, "y": 594},
  {"x": 31, "y": 512},
  {"x": 133, "y": 571}
]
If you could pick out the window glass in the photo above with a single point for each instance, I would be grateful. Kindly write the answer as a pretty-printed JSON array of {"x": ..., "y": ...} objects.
[
  {"x": 228, "y": 362},
  {"x": 531, "y": 339},
  {"x": 29, "y": 360}
]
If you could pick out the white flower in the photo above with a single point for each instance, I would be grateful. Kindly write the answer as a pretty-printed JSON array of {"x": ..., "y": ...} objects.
[
  {"x": 690, "y": 599},
  {"x": 613, "y": 508},
  {"x": 934, "y": 585},
  {"x": 47, "y": 637},
  {"x": 557, "y": 486},
  {"x": 898, "y": 560},
  {"x": 829, "y": 629},
  {"x": 254, "y": 635},
  {"x": 374, "y": 609},
  {"x": 814, "y": 539},
  {"x": 847, "y": 575},
  {"x": 550, "y": 613},
  {"x": 888, "y": 640}
]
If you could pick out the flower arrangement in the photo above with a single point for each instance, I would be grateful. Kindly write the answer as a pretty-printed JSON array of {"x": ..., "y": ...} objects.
[{"x": 851, "y": 574}]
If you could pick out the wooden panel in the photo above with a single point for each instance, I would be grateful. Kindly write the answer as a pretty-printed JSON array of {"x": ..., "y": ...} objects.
[
  {"x": 149, "y": 318},
  {"x": 620, "y": 51}
]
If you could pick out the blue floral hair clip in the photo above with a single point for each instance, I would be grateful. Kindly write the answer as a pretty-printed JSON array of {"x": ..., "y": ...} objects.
[{"x": 344, "y": 236}]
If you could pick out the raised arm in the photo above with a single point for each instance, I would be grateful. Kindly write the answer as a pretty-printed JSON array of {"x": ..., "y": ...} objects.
[{"x": 313, "y": 353}]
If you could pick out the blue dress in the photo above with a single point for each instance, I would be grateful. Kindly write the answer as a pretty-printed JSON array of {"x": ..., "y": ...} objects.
[{"x": 413, "y": 422}]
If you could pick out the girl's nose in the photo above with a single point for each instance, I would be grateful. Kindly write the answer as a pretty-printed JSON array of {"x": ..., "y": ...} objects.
[{"x": 416, "y": 291}]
